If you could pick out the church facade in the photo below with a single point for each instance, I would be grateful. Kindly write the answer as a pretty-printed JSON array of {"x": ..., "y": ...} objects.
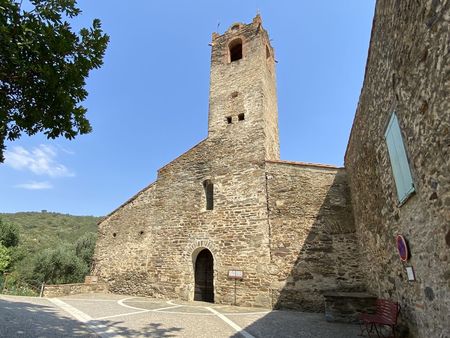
[{"x": 228, "y": 221}]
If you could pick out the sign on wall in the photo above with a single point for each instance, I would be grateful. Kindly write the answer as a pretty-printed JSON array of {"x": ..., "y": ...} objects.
[
  {"x": 235, "y": 274},
  {"x": 410, "y": 273},
  {"x": 402, "y": 248}
]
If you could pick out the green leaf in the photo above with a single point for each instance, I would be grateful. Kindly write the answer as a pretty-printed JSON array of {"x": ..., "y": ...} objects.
[{"x": 43, "y": 69}]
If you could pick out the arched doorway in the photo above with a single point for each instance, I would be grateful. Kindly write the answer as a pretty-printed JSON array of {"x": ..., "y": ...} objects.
[{"x": 204, "y": 275}]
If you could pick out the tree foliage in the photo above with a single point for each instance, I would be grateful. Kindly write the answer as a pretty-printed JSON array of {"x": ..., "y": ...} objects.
[
  {"x": 55, "y": 248},
  {"x": 60, "y": 265},
  {"x": 5, "y": 258},
  {"x": 85, "y": 246},
  {"x": 43, "y": 67},
  {"x": 42, "y": 230},
  {"x": 9, "y": 234},
  {"x": 9, "y": 239}
]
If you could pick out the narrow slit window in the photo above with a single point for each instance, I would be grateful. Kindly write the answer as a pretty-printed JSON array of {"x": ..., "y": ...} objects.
[
  {"x": 235, "y": 50},
  {"x": 241, "y": 117},
  {"x": 209, "y": 194}
]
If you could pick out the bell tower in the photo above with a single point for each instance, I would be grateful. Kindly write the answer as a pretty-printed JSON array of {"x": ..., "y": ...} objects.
[{"x": 242, "y": 95}]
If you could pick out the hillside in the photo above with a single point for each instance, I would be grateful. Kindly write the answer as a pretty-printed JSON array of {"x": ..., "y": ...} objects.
[{"x": 41, "y": 230}]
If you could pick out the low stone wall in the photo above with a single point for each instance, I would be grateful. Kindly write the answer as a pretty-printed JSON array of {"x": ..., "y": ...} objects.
[{"x": 57, "y": 290}]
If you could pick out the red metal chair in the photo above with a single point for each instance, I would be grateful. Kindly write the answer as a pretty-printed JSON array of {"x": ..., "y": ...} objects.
[{"x": 385, "y": 317}]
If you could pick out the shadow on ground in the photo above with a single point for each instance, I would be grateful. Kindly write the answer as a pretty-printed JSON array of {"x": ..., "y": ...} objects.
[
  {"x": 320, "y": 256},
  {"x": 19, "y": 319},
  {"x": 293, "y": 324},
  {"x": 113, "y": 329}
]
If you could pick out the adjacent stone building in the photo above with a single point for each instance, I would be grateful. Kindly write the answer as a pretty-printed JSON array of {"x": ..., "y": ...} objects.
[
  {"x": 230, "y": 206},
  {"x": 407, "y": 73}
]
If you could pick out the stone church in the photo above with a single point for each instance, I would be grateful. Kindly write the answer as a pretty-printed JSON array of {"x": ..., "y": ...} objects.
[
  {"x": 229, "y": 222},
  {"x": 229, "y": 205}
]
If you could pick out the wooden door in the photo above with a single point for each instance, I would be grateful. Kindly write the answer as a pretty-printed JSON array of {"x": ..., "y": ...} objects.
[{"x": 204, "y": 276}]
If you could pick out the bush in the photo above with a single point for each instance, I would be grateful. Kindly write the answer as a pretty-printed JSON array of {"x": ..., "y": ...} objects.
[
  {"x": 9, "y": 234},
  {"x": 44, "y": 254},
  {"x": 19, "y": 288},
  {"x": 84, "y": 247},
  {"x": 5, "y": 258},
  {"x": 60, "y": 265}
]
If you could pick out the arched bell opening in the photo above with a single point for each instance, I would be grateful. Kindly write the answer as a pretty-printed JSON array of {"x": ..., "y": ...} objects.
[{"x": 235, "y": 50}]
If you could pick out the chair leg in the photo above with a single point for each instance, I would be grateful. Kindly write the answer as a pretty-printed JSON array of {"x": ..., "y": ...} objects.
[
  {"x": 365, "y": 327},
  {"x": 362, "y": 327},
  {"x": 378, "y": 333},
  {"x": 382, "y": 331}
]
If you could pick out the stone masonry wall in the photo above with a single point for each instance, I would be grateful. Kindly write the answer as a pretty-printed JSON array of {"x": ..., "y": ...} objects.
[
  {"x": 171, "y": 214},
  {"x": 121, "y": 256},
  {"x": 246, "y": 86},
  {"x": 408, "y": 71},
  {"x": 289, "y": 227},
  {"x": 292, "y": 235},
  {"x": 312, "y": 234}
]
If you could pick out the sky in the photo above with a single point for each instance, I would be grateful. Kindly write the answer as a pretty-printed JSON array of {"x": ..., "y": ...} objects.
[{"x": 149, "y": 102}]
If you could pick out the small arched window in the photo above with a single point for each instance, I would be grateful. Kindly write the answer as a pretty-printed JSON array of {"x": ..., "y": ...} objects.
[
  {"x": 235, "y": 47},
  {"x": 209, "y": 194}
]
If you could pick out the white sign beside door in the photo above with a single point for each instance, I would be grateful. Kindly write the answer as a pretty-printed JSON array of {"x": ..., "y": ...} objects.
[{"x": 235, "y": 274}]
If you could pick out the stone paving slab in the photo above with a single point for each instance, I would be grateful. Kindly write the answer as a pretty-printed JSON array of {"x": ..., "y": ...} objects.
[
  {"x": 290, "y": 324},
  {"x": 93, "y": 308},
  {"x": 105, "y": 316},
  {"x": 221, "y": 307},
  {"x": 146, "y": 305},
  {"x": 107, "y": 297},
  {"x": 30, "y": 317},
  {"x": 155, "y": 324}
]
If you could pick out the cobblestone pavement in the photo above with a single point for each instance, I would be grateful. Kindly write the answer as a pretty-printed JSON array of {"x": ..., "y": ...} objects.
[{"x": 107, "y": 315}]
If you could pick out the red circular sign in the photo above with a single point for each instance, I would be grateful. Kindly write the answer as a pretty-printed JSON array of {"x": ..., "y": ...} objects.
[{"x": 402, "y": 248}]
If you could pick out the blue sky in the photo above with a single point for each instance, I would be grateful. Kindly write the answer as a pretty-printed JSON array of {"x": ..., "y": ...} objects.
[{"x": 149, "y": 101}]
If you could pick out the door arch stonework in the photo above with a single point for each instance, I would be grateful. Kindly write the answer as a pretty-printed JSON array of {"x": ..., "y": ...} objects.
[
  {"x": 196, "y": 243},
  {"x": 204, "y": 276}
]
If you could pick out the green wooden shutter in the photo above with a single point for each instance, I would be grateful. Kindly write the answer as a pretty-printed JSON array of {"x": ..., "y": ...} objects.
[{"x": 399, "y": 161}]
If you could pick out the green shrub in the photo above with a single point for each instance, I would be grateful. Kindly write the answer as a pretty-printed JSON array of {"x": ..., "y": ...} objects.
[
  {"x": 5, "y": 258},
  {"x": 60, "y": 265},
  {"x": 84, "y": 247},
  {"x": 9, "y": 234}
]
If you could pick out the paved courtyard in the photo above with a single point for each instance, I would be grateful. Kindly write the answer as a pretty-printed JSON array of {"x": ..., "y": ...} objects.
[{"x": 107, "y": 315}]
